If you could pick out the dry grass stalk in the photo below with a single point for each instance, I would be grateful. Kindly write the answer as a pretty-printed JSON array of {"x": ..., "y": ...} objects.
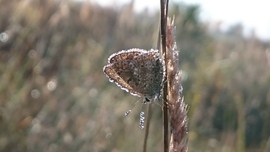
[{"x": 177, "y": 107}]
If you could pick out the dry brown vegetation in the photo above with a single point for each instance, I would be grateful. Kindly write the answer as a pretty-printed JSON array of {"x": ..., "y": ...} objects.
[{"x": 55, "y": 97}]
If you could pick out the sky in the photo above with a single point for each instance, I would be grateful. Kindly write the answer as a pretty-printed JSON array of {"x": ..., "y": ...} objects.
[{"x": 252, "y": 14}]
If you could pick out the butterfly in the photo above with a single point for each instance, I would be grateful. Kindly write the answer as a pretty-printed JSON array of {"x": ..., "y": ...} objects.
[{"x": 137, "y": 71}]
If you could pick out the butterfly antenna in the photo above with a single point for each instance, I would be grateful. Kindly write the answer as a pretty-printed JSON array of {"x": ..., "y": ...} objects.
[
  {"x": 128, "y": 112},
  {"x": 142, "y": 117}
]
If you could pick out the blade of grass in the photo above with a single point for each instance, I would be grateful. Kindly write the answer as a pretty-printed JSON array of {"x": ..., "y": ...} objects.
[{"x": 163, "y": 24}]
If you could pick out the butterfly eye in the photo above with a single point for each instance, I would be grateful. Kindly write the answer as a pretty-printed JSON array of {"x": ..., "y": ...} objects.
[{"x": 129, "y": 79}]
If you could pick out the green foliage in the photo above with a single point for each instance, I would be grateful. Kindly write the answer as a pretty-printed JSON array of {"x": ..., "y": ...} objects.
[{"x": 55, "y": 97}]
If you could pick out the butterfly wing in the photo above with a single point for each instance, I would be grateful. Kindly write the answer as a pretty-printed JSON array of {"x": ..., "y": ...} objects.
[
  {"x": 136, "y": 71},
  {"x": 125, "y": 55},
  {"x": 121, "y": 74}
]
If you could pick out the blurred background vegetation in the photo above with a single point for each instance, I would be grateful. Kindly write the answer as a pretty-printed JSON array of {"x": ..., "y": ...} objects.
[{"x": 54, "y": 96}]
